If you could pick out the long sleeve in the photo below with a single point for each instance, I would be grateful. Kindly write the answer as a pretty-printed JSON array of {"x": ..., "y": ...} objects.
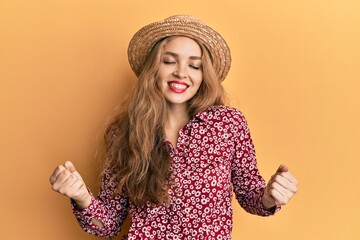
[
  {"x": 110, "y": 210},
  {"x": 247, "y": 182}
]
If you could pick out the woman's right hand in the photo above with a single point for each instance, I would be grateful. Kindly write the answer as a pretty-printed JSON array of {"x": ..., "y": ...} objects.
[{"x": 68, "y": 182}]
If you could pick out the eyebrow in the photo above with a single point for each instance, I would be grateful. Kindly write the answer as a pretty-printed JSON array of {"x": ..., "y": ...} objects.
[{"x": 176, "y": 55}]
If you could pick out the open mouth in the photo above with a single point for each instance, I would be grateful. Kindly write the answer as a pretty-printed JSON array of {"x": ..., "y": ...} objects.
[{"x": 177, "y": 87}]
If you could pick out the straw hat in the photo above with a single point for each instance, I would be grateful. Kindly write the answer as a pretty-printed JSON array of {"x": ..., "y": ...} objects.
[{"x": 179, "y": 25}]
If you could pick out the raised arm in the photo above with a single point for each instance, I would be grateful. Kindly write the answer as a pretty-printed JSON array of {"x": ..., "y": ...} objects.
[
  {"x": 68, "y": 182},
  {"x": 102, "y": 216},
  {"x": 249, "y": 186}
]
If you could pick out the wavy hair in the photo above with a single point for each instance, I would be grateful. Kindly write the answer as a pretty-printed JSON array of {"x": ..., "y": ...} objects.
[{"x": 135, "y": 152}]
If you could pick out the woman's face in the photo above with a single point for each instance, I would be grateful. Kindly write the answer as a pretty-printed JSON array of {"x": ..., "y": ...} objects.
[{"x": 180, "y": 72}]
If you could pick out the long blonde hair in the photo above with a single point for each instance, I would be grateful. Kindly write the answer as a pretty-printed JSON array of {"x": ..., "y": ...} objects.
[{"x": 135, "y": 152}]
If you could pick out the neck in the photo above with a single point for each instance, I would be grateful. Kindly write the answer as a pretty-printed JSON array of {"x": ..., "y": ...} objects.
[{"x": 177, "y": 115}]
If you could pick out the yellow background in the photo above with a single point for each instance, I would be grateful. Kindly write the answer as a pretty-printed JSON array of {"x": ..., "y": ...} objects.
[{"x": 295, "y": 75}]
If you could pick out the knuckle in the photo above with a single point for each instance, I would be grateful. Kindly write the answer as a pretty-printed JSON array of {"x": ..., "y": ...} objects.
[
  {"x": 272, "y": 192},
  {"x": 61, "y": 191},
  {"x": 273, "y": 185},
  {"x": 281, "y": 201},
  {"x": 59, "y": 168},
  {"x": 65, "y": 174},
  {"x": 73, "y": 177},
  {"x": 284, "y": 174},
  {"x": 54, "y": 188},
  {"x": 278, "y": 178}
]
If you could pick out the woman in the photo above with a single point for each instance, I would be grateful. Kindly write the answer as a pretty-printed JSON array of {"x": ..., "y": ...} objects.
[{"x": 175, "y": 153}]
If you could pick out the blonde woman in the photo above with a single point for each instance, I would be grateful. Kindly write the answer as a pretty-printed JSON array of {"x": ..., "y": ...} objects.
[{"x": 176, "y": 153}]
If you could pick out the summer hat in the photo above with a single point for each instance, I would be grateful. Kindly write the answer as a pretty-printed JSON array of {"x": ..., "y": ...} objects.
[{"x": 179, "y": 25}]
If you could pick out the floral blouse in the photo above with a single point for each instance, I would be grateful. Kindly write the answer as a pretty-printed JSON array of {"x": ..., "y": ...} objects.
[{"x": 214, "y": 156}]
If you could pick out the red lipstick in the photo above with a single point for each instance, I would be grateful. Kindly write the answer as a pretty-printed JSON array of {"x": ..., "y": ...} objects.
[{"x": 177, "y": 86}]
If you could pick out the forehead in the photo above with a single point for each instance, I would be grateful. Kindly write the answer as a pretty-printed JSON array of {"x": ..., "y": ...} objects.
[{"x": 183, "y": 45}]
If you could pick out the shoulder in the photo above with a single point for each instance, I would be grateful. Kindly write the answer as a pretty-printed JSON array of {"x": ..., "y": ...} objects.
[{"x": 223, "y": 113}]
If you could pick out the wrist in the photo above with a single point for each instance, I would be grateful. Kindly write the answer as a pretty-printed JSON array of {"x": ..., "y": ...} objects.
[
  {"x": 267, "y": 201},
  {"x": 84, "y": 201}
]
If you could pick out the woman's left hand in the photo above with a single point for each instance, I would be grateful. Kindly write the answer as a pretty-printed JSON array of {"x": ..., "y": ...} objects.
[{"x": 280, "y": 189}]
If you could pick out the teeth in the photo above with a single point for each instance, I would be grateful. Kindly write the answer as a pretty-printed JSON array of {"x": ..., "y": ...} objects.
[{"x": 178, "y": 86}]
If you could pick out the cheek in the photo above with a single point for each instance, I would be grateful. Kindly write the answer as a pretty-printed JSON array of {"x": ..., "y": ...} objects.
[
  {"x": 200, "y": 78},
  {"x": 199, "y": 82},
  {"x": 197, "y": 77},
  {"x": 161, "y": 84}
]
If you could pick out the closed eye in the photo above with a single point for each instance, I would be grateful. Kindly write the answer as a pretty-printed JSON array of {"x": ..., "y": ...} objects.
[
  {"x": 194, "y": 67},
  {"x": 168, "y": 62}
]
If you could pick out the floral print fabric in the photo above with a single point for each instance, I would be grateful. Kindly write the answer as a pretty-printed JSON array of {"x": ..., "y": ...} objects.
[{"x": 214, "y": 156}]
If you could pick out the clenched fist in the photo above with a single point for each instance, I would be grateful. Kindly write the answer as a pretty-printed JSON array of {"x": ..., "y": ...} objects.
[
  {"x": 280, "y": 189},
  {"x": 68, "y": 182}
]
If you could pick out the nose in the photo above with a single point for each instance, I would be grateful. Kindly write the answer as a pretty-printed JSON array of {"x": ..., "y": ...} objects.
[{"x": 180, "y": 72}]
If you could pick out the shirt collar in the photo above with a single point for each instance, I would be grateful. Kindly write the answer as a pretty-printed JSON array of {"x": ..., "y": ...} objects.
[{"x": 203, "y": 115}]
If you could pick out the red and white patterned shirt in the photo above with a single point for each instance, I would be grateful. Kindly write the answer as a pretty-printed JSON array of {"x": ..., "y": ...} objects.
[{"x": 214, "y": 156}]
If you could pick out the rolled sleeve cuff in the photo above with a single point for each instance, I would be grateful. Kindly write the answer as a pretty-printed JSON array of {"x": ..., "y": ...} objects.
[
  {"x": 271, "y": 211},
  {"x": 85, "y": 215}
]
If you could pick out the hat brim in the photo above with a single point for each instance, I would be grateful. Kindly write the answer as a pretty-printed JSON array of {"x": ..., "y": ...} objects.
[{"x": 179, "y": 25}]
